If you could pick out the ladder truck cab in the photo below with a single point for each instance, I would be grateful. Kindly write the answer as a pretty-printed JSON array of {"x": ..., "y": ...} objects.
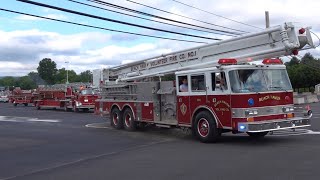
[
  {"x": 84, "y": 99},
  {"x": 217, "y": 87}
]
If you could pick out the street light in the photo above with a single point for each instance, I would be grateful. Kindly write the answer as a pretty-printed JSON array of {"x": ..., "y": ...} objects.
[{"x": 67, "y": 62}]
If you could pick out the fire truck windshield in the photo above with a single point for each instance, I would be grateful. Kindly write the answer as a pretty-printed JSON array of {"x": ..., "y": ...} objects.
[
  {"x": 87, "y": 92},
  {"x": 258, "y": 80}
]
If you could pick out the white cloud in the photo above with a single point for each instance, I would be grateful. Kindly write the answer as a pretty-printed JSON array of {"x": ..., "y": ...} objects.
[{"x": 23, "y": 49}]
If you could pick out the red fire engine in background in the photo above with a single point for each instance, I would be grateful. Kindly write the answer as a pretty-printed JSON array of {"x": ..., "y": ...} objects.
[
  {"x": 20, "y": 96},
  {"x": 223, "y": 90},
  {"x": 66, "y": 98}
]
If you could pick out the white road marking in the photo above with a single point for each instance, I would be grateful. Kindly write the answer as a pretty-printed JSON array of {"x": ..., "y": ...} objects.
[
  {"x": 43, "y": 120},
  {"x": 313, "y": 132},
  {"x": 98, "y": 125},
  {"x": 26, "y": 119}
]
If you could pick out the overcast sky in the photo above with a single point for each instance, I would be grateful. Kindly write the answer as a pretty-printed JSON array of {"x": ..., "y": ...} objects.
[{"x": 26, "y": 40}]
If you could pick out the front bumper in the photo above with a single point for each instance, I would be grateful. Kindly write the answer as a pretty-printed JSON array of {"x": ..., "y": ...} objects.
[
  {"x": 274, "y": 125},
  {"x": 85, "y": 107}
]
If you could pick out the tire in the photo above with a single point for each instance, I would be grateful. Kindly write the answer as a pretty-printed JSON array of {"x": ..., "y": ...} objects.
[
  {"x": 205, "y": 127},
  {"x": 128, "y": 120},
  {"x": 38, "y": 106},
  {"x": 25, "y": 104},
  {"x": 65, "y": 108},
  {"x": 75, "y": 109},
  {"x": 15, "y": 104},
  {"x": 116, "y": 119},
  {"x": 257, "y": 134}
]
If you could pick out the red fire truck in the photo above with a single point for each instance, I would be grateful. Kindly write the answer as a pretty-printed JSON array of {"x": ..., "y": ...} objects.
[
  {"x": 223, "y": 90},
  {"x": 20, "y": 96},
  {"x": 66, "y": 98}
]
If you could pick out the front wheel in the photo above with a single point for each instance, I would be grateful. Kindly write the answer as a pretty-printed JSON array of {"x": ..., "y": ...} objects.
[
  {"x": 38, "y": 106},
  {"x": 257, "y": 134},
  {"x": 116, "y": 118},
  {"x": 205, "y": 127},
  {"x": 75, "y": 109}
]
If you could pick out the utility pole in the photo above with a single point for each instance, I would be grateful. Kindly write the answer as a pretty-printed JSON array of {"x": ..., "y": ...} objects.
[
  {"x": 267, "y": 19},
  {"x": 67, "y": 68}
]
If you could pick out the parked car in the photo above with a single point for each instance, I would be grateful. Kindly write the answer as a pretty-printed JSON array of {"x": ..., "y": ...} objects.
[{"x": 4, "y": 99}]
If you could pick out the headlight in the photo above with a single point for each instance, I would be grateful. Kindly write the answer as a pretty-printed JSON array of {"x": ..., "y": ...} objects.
[
  {"x": 287, "y": 109},
  {"x": 251, "y": 112}
]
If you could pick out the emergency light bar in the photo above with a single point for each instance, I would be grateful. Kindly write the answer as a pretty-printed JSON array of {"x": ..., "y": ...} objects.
[
  {"x": 227, "y": 61},
  {"x": 272, "y": 61}
]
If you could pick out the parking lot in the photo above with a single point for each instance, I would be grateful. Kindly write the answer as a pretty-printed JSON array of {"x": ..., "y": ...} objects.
[{"x": 53, "y": 144}]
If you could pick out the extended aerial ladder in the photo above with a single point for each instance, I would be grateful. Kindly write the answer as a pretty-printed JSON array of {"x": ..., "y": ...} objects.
[{"x": 272, "y": 42}]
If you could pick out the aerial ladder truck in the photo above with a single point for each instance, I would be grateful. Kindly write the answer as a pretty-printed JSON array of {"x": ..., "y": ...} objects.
[{"x": 224, "y": 89}]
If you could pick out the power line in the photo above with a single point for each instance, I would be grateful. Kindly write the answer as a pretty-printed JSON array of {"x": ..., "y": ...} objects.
[
  {"x": 216, "y": 15},
  {"x": 186, "y": 17},
  {"x": 146, "y": 18},
  {"x": 159, "y": 17},
  {"x": 112, "y": 20},
  {"x": 96, "y": 27}
]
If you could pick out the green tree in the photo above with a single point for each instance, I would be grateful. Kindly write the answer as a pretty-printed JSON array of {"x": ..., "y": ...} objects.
[
  {"x": 73, "y": 77},
  {"x": 61, "y": 76},
  {"x": 8, "y": 81},
  {"x": 47, "y": 70},
  {"x": 85, "y": 76},
  {"x": 304, "y": 73},
  {"x": 26, "y": 82}
]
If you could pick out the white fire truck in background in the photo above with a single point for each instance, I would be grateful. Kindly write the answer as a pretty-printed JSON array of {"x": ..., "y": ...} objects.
[{"x": 224, "y": 92}]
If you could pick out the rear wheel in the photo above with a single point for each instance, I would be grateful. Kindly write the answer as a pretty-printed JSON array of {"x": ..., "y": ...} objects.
[
  {"x": 116, "y": 118},
  {"x": 258, "y": 134},
  {"x": 205, "y": 128},
  {"x": 25, "y": 104},
  {"x": 129, "y": 123},
  {"x": 14, "y": 103}
]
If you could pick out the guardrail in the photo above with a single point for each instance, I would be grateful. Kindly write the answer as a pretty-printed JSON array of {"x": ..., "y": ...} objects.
[{"x": 305, "y": 98}]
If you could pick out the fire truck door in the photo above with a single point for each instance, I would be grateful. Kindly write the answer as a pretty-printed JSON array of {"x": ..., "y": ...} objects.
[
  {"x": 183, "y": 99},
  {"x": 220, "y": 100}
]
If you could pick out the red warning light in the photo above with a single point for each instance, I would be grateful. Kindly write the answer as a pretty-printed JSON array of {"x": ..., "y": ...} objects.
[
  {"x": 227, "y": 61},
  {"x": 272, "y": 61}
]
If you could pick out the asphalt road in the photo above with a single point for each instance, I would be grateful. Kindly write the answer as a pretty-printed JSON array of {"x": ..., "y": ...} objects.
[{"x": 52, "y": 144}]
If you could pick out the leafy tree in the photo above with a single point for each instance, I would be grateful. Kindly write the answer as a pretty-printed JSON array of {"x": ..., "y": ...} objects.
[
  {"x": 8, "y": 81},
  {"x": 73, "y": 77},
  {"x": 61, "y": 76},
  {"x": 47, "y": 70},
  {"x": 304, "y": 73},
  {"x": 85, "y": 76},
  {"x": 26, "y": 82}
]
